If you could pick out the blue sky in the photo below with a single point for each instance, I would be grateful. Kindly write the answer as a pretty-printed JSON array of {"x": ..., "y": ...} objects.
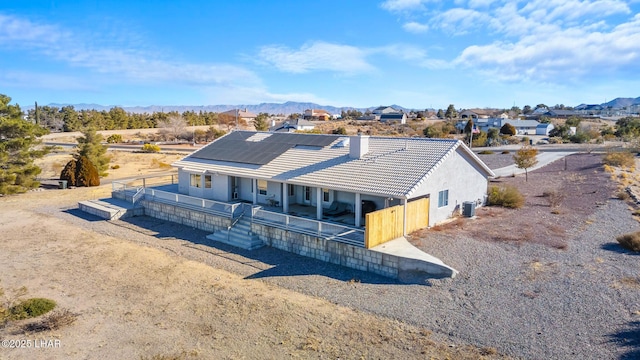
[{"x": 361, "y": 53}]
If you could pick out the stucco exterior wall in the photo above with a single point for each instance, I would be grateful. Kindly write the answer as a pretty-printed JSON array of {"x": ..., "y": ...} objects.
[{"x": 464, "y": 181}]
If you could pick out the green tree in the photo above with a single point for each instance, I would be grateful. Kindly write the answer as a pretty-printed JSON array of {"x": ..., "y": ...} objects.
[
  {"x": 70, "y": 118},
  {"x": 451, "y": 112},
  {"x": 260, "y": 122},
  {"x": 440, "y": 114},
  {"x": 573, "y": 121},
  {"x": 18, "y": 142},
  {"x": 468, "y": 128},
  {"x": 90, "y": 146},
  {"x": 508, "y": 129},
  {"x": 526, "y": 158},
  {"x": 527, "y": 110},
  {"x": 493, "y": 133}
]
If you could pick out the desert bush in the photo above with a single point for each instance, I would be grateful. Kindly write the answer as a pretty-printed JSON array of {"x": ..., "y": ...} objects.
[
  {"x": 150, "y": 148},
  {"x": 505, "y": 152},
  {"x": 507, "y": 196},
  {"x": 159, "y": 164},
  {"x": 555, "y": 198},
  {"x": 53, "y": 321},
  {"x": 31, "y": 308},
  {"x": 556, "y": 140},
  {"x": 622, "y": 195},
  {"x": 114, "y": 139},
  {"x": 630, "y": 241},
  {"x": 619, "y": 158},
  {"x": 486, "y": 152},
  {"x": 69, "y": 172},
  {"x": 115, "y": 167}
]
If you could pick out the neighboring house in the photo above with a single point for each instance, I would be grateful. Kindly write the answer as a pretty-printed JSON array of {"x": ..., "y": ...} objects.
[
  {"x": 292, "y": 126},
  {"x": 285, "y": 169},
  {"x": 561, "y": 113},
  {"x": 478, "y": 114},
  {"x": 399, "y": 117},
  {"x": 242, "y": 114},
  {"x": 383, "y": 110},
  {"x": 544, "y": 129},
  {"x": 317, "y": 114},
  {"x": 523, "y": 127}
]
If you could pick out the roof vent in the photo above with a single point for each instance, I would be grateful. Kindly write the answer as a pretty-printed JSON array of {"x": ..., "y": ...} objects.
[{"x": 343, "y": 142}]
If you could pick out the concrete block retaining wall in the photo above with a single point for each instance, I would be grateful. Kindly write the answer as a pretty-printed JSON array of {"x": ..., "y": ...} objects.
[
  {"x": 329, "y": 251},
  {"x": 297, "y": 243},
  {"x": 193, "y": 218}
]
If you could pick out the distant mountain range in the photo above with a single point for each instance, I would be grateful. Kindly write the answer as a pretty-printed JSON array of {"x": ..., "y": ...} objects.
[
  {"x": 289, "y": 107},
  {"x": 617, "y": 103}
]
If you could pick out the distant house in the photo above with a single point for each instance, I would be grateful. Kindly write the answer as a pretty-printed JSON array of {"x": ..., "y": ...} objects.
[
  {"x": 544, "y": 129},
  {"x": 383, "y": 110},
  {"x": 397, "y": 117},
  {"x": 523, "y": 127},
  {"x": 479, "y": 114},
  {"x": 241, "y": 114},
  {"x": 317, "y": 114},
  {"x": 292, "y": 126},
  {"x": 553, "y": 113}
]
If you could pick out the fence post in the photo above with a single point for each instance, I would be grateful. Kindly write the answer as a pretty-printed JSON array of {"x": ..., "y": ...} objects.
[
  {"x": 319, "y": 228},
  {"x": 286, "y": 222},
  {"x": 203, "y": 203},
  {"x": 177, "y": 198},
  {"x": 144, "y": 182}
]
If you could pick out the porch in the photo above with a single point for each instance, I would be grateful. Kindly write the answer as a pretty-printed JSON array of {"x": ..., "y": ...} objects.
[{"x": 300, "y": 219}]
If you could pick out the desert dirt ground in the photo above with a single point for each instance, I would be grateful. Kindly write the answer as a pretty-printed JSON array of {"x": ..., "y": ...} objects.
[{"x": 137, "y": 301}]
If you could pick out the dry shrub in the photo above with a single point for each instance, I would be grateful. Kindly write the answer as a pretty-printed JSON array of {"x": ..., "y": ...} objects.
[
  {"x": 554, "y": 197},
  {"x": 620, "y": 159},
  {"x": 630, "y": 241},
  {"x": 506, "y": 195},
  {"x": 31, "y": 308},
  {"x": 622, "y": 195},
  {"x": 160, "y": 164},
  {"x": 55, "y": 320}
]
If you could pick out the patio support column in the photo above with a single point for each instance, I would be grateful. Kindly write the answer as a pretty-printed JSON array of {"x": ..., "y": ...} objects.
[
  {"x": 319, "y": 203},
  {"x": 358, "y": 209},
  {"x": 255, "y": 191},
  {"x": 404, "y": 220},
  {"x": 285, "y": 198}
]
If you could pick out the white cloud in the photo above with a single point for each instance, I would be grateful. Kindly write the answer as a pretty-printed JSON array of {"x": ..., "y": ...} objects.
[
  {"x": 459, "y": 21},
  {"x": 415, "y": 27},
  {"x": 121, "y": 62},
  {"x": 317, "y": 56},
  {"x": 25, "y": 79},
  {"x": 403, "y": 5}
]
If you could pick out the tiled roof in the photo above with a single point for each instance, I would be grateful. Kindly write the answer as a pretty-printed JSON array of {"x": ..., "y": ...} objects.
[{"x": 392, "y": 167}]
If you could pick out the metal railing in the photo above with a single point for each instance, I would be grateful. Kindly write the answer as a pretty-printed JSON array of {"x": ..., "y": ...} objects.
[
  {"x": 329, "y": 231},
  {"x": 206, "y": 205}
]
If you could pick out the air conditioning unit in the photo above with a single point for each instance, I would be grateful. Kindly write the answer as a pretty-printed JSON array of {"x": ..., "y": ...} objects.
[
  {"x": 234, "y": 195},
  {"x": 469, "y": 208}
]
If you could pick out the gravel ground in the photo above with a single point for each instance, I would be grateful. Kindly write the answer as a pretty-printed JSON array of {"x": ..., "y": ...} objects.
[{"x": 527, "y": 300}]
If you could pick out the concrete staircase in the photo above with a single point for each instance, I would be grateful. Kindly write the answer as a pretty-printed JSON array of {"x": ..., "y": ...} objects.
[
  {"x": 110, "y": 209},
  {"x": 239, "y": 235}
]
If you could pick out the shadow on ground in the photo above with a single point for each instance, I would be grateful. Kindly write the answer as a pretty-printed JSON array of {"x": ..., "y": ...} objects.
[
  {"x": 267, "y": 262},
  {"x": 630, "y": 340},
  {"x": 617, "y": 248}
]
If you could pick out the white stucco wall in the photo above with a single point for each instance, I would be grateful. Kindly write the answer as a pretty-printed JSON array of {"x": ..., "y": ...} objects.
[
  {"x": 183, "y": 182},
  {"x": 464, "y": 181}
]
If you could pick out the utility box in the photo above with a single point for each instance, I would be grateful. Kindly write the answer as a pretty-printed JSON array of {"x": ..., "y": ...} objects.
[
  {"x": 469, "y": 209},
  {"x": 62, "y": 184}
]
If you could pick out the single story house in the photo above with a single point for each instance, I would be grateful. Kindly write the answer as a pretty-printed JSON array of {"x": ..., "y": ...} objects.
[
  {"x": 292, "y": 125},
  {"x": 317, "y": 114},
  {"x": 317, "y": 171},
  {"x": 399, "y": 117},
  {"x": 244, "y": 114},
  {"x": 523, "y": 127}
]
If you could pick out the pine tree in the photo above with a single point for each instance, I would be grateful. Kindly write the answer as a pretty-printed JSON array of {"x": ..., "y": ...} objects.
[
  {"x": 18, "y": 142},
  {"x": 90, "y": 145}
]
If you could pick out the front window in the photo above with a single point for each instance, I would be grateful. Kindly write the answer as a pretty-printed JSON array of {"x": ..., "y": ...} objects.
[
  {"x": 262, "y": 187},
  {"x": 195, "y": 180},
  {"x": 207, "y": 181},
  {"x": 443, "y": 198},
  {"x": 307, "y": 193},
  {"x": 291, "y": 189}
]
